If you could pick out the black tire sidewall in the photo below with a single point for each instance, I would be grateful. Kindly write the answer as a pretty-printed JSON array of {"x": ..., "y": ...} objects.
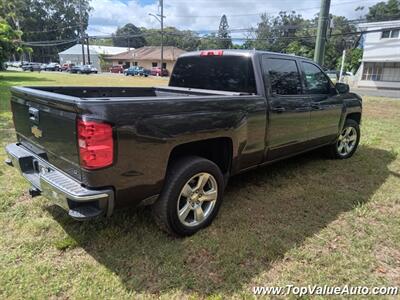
[
  {"x": 179, "y": 176},
  {"x": 355, "y": 125}
]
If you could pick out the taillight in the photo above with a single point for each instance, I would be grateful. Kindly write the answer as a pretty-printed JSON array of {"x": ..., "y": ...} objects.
[
  {"x": 212, "y": 53},
  {"x": 96, "y": 145}
]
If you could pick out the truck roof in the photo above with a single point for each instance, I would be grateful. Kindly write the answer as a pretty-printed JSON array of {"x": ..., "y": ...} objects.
[{"x": 240, "y": 52}]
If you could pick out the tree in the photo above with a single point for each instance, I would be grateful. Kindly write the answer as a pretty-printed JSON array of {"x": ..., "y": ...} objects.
[
  {"x": 183, "y": 39},
  {"x": 224, "y": 38},
  {"x": 383, "y": 11},
  {"x": 209, "y": 41},
  {"x": 275, "y": 33},
  {"x": 9, "y": 41},
  {"x": 101, "y": 41},
  {"x": 352, "y": 61},
  {"x": 297, "y": 48},
  {"x": 53, "y": 21},
  {"x": 10, "y": 38},
  {"x": 338, "y": 41},
  {"x": 129, "y": 36}
]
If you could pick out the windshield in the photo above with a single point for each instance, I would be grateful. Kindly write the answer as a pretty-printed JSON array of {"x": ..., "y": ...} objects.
[{"x": 222, "y": 73}]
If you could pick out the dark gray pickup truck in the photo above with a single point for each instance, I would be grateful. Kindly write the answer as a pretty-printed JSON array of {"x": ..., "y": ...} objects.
[{"x": 93, "y": 149}]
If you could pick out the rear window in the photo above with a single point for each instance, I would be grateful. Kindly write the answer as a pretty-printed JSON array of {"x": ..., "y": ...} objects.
[{"x": 221, "y": 73}]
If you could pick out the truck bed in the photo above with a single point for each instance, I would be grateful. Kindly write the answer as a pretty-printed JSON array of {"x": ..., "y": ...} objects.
[{"x": 107, "y": 93}]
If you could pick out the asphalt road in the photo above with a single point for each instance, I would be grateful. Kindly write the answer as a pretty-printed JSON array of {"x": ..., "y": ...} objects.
[{"x": 380, "y": 93}]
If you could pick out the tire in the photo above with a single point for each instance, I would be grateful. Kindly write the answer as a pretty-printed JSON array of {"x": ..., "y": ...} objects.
[
  {"x": 347, "y": 142},
  {"x": 182, "y": 178}
]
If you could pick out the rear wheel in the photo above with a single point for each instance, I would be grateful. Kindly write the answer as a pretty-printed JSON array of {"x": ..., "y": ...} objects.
[
  {"x": 191, "y": 196},
  {"x": 347, "y": 142}
]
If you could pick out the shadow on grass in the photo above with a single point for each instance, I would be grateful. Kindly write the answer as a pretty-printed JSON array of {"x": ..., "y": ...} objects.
[{"x": 265, "y": 213}]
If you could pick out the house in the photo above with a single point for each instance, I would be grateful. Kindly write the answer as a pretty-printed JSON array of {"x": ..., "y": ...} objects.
[
  {"x": 74, "y": 54},
  {"x": 380, "y": 66},
  {"x": 147, "y": 57}
]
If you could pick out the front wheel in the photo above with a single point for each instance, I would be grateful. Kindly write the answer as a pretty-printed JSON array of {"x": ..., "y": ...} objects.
[
  {"x": 191, "y": 196},
  {"x": 347, "y": 142}
]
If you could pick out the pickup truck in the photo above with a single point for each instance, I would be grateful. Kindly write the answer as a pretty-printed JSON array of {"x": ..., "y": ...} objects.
[{"x": 94, "y": 149}]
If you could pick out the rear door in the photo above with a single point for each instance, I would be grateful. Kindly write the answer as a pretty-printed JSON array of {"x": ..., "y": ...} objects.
[
  {"x": 326, "y": 104},
  {"x": 288, "y": 107}
]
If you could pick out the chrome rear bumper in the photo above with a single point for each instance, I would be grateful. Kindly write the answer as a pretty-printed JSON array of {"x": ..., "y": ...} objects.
[{"x": 80, "y": 202}]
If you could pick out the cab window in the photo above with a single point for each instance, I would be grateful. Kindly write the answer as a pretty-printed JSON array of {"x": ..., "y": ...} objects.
[
  {"x": 316, "y": 81},
  {"x": 284, "y": 76}
]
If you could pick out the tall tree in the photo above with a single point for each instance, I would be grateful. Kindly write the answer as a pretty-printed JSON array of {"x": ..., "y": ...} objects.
[
  {"x": 9, "y": 41},
  {"x": 10, "y": 38},
  {"x": 224, "y": 38},
  {"x": 129, "y": 36},
  {"x": 276, "y": 33},
  {"x": 48, "y": 20},
  {"x": 384, "y": 11}
]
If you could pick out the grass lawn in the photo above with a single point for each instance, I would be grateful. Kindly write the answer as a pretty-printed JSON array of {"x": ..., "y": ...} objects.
[{"x": 304, "y": 221}]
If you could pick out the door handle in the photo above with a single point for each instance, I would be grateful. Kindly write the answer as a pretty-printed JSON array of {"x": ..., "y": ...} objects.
[{"x": 278, "y": 109}]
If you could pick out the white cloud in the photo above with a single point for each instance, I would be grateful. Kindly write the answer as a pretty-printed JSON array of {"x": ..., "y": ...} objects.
[{"x": 184, "y": 14}]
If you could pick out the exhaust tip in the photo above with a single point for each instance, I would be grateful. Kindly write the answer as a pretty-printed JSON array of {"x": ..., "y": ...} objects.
[
  {"x": 8, "y": 161},
  {"x": 34, "y": 192}
]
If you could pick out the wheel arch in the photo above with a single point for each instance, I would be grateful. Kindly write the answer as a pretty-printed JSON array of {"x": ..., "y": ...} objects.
[
  {"x": 218, "y": 150},
  {"x": 356, "y": 116}
]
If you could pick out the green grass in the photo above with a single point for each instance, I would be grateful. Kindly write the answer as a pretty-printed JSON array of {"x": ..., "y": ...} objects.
[{"x": 304, "y": 221}]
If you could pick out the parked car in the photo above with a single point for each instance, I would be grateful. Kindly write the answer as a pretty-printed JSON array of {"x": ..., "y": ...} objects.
[
  {"x": 117, "y": 69},
  {"x": 66, "y": 67},
  {"x": 52, "y": 67},
  {"x": 135, "y": 70},
  {"x": 94, "y": 149},
  {"x": 31, "y": 67},
  {"x": 156, "y": 71},
  {"x": 83, "y": 69},
  {"x": 76, "y": 69},
  {"x": 18, "y": 64}
]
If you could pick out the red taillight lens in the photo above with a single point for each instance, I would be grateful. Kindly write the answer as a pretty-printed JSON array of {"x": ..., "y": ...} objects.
[
  {"x": 96, "y": 145},
  {"x": 212, "y": 53}
]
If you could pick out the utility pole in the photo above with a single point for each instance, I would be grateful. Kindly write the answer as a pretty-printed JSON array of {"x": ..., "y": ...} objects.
[
  {"x": 81, "y": 32},
  {"x": 87, "y": 47},
  {"x": 162, "y": 36},
  {"x": 321, "y": 33},
  {"x": 160, "y": 18},
  {"x": 342, "y": 66}
]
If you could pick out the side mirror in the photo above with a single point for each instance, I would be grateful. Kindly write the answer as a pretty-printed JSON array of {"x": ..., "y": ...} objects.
[{"x": 342, "y": 88}]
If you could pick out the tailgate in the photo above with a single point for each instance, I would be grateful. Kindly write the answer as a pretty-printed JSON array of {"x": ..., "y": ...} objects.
[{"x": 45, "y": 123}]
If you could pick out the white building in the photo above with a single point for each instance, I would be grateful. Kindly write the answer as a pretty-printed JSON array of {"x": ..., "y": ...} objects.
[
  {"x": 380, "y": 68},
  {"x": 74, "y": 54}
]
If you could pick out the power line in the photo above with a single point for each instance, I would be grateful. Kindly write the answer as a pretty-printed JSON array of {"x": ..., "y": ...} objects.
[
  {"x": 52, "y": 30},
  {"x": 268, "y": 12},
  {"x": 49, "y": 43},
  {"x": 269, "y": 38}
]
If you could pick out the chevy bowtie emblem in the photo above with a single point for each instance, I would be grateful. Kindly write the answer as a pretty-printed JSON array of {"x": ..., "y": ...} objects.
[{"x": 36, "y": 132}]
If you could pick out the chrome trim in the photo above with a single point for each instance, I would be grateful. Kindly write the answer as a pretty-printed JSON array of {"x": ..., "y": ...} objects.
[{"x": 54, "y": 184}]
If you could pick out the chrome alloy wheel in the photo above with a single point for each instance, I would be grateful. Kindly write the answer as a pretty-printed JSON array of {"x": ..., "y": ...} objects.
[
  {"x": 347, "y": 141},
  {"x": 197, "y": 199}
]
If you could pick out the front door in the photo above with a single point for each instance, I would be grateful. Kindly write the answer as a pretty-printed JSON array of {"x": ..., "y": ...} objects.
[
  {"x": 326, "y": 104},
  {"x": 288, "y": 108}
]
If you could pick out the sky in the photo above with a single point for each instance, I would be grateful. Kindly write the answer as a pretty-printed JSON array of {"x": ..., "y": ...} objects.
[{"x": 204, "y": 15}]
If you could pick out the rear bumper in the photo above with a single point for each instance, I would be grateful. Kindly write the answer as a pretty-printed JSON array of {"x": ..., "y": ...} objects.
[{"x": 80, "y": 202}]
